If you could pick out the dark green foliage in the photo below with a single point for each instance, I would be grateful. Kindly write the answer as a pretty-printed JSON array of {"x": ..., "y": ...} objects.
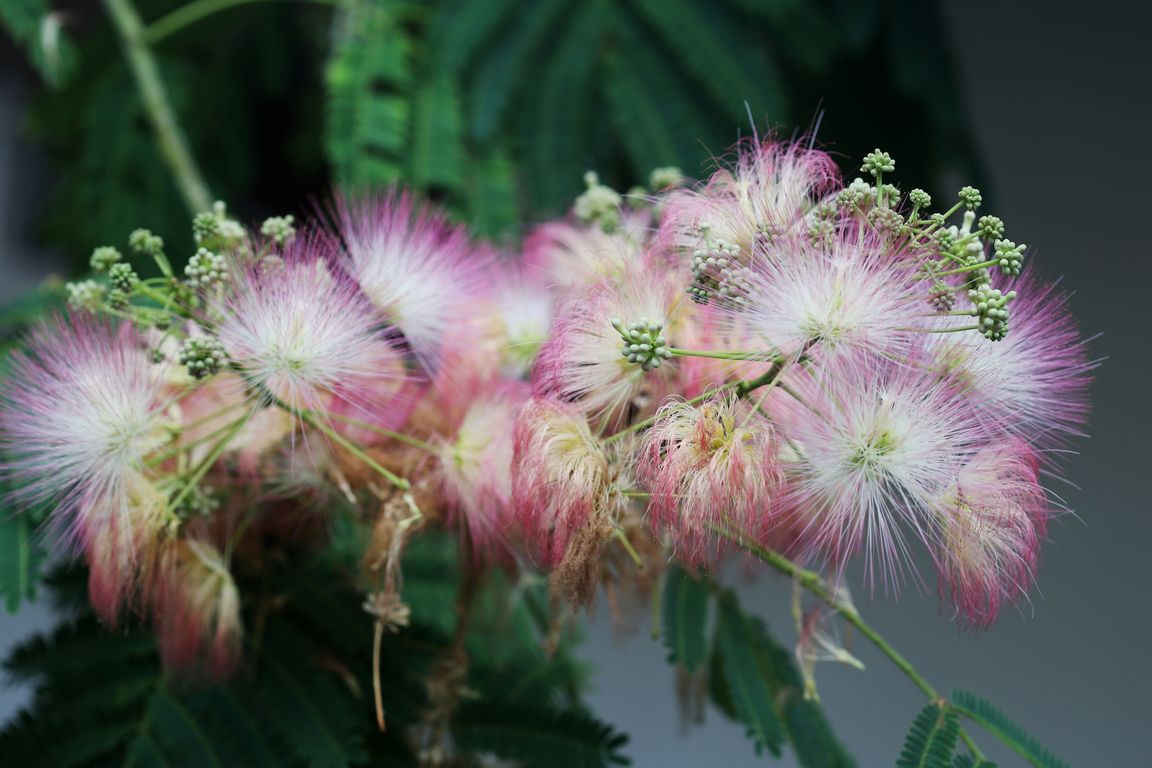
[
  {"x": 931, "y": 740},
  {"x": 997, "y": 723},
  {"x": 558, "y": 87},
  {"x": 304, "y": 694},
  {"x": 750, "y": 692},
  {"x": 762, "y": 669},
  {"x": 539, "y": 736},
  {"x": 685, "y": 618}
]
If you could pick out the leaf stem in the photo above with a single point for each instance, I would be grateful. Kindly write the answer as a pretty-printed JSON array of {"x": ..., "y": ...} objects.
[
  {"x": 815, "y": 584},
  {"x": 154, "y": 98}
]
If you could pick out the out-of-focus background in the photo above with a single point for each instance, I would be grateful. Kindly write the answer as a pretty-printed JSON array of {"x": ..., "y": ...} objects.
[{"x": 1046, "y": 106}]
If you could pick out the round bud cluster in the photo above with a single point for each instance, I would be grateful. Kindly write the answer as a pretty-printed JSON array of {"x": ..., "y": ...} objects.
[
  {"x": 990, "y": 307},
  {"x": 822, "y": 233},
  {"x": 990, "y": 227},
  {"x": 858, "y": 194},
  {"x": 942, "y": 297},
  {"x": 104, "y": 257},
  {"x": 599, "y": 204},
  {"x": 143, "y": 242},
  {"x": 122, "y": 277},
  {"x": 971, "y": 197},
  {"x": 664, "y": 178},
  {"x": 643, "y": 343},
  {"x": 203, "y": 356},
  {"x": 205, "y": 269},
  {"x": 885, "y": 219},
  {"x": 200, "y": 501},
  {"x": 877, "y": 162},
  {"x": 920, "y": 198},
  {"x": 1009, "y": 257},
  {"x": 204, "y": 226},
  {"x": 279, "y": 228},
  {"x": 85, "y": 294}
]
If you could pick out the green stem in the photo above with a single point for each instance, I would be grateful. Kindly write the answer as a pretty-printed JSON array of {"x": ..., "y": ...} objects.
[
  {"x": 623, "y": 539},
  {"x": 192, "y": 12},
  {"x": 310, "y": 418},
  {"x": 173, "y": 145},
  {"x": 817, "y": 586},
  {"x": 969, "y": 268},
  {"x": 398, "y": 436},
  {"x": 765, "y": 356},
  {"x": 201, "y": 470}
]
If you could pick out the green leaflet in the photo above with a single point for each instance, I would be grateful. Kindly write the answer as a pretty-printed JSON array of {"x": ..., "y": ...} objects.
[
  {"x": 368, "y": 76},
  {"x": 806, "y": 728},
  {"x": 437, "y": 135},
  {"x": 539, "y": 736},
  {"x": 931, "y": 739},
  {"x": 19, "y": 560},
  {"x": 749, "y": 691},
  {"x": 685, "y": 619},
  {"x": 493, "y": 194},
  {"x": 997, "y": 723},
  {"x": 967, "y": 761}
]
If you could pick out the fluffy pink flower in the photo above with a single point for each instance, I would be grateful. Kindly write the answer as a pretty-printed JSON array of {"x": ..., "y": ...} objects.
[
  {"x": 715, "y": 465},
  {"x": 1034, "y": 382},
  {"x": 571, "y": 256},
  {"x": 560, "y": 476},
  {"x": 196, "y": 610},
  {"x": 850, "y": 294},
  {"x": 81, "y": 412},
  {"x": 421, "y": 272},
  {"x": 581, "y": 363},
  {"x": 306, "y": 335},
  {"x": 768, "y": 190},
  {"x": 993, "y": 517},
  {"x": 872, "y": 447},
  {"x": 476, "y": 465}
]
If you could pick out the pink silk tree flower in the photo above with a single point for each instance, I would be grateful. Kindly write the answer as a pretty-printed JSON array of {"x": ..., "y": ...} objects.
[
  {"x": 993, "y": 517},
  {"x": 872, "y": 446},
  {"x": 569, "y": 256},
  {"x": 582, "y": 361},
  {"x": 476, "y": 465},
  {"x": 422, "y": 273},
  {"x": 304, "y": 334},
  {"x": 560, "y": 476},
  {"x": 196, "y": 611},
  {"x": 1034, "y": 382},
  {"x": 80, "y": 415},
  {"x": 710, "y": 466},
  {"x": 766, "y": 192},
  {"x": 849, "y": 293}
]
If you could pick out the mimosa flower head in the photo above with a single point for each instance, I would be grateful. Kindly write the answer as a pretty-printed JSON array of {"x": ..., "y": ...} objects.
[
  {"x": 765, "y": 193},
  {"x": 304, "y": 334},
  {"x": 197, "y": 611},
  {"x": 993, "y": 518},
  {"x": 79, "y": 414},
  {"x": 560, "y": 476},
  {"x": 874, "y": 446},
  {"x": 583, "y": 362},
  {"x": 1034, "y": 382},
  {"x": 711, "y": 468},
  {"x": 476, "y": 464},
  {"x": 421, "y": 272}
]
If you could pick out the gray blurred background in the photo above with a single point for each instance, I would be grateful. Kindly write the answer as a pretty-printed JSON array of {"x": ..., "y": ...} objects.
[{"x": 1059, "y": 99}]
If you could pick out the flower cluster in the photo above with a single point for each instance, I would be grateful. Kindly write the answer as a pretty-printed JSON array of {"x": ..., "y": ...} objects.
[{"x": 772, "y": 359}]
